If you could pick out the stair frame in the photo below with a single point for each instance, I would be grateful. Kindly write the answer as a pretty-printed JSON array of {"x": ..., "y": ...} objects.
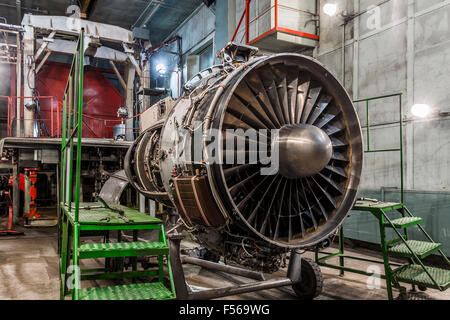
[
  {"x": 74, "y": 219},
  {"x": 70, "y": 244},
  {"x": 380, "y": 210}
]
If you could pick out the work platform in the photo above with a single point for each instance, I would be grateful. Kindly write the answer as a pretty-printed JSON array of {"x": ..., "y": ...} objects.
[
  {"x": 97, "y": 214},
  {"x": 55, "y": 143},
  {"x": 44, "y": 154},
  {"x": 97, "y": 217}
]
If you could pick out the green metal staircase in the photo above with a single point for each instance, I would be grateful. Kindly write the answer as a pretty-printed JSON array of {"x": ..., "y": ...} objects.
[
  {"x": 77, "y": 219},
  {"x": 414, "y": 272},
  {"x": 94, "y": 217}
]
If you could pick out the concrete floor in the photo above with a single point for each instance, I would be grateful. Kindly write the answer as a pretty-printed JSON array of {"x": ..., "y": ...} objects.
[{"x": 29, "y": 270}]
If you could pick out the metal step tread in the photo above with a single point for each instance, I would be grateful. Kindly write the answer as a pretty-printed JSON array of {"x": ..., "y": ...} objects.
[
  {"x": 121, "y": 249},
  {"x": 365, "y": 205},
  {"x": 421, "y": 249},
  {"x": 134, "y": 291},
  {"x": 414, "y": 274},
  {"x": 405, "y": 222}
]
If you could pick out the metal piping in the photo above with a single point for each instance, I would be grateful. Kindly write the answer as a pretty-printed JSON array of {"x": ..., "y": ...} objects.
[
  {"x": 225, "y": 268},
  {"x": 293, "y": 277},
  {"x": 11, "y": 27},
  {"x": 19, "y": 11},
  {"x": 182, "y": 289},
  {"x": 240, "y": 289},
  {"x": 18, "y": 85},
  {"x": 206, "y": 126}
]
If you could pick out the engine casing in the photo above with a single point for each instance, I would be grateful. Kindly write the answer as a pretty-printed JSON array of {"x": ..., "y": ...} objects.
[{"x": 288, "y": 104}]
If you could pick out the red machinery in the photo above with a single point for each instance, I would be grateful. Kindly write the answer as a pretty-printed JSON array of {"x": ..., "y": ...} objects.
[
  {"x": 21, "y": 182},
  {"x": 101, "y": 99},
  {"x": 10, "y": 231},
  {"x": 32, "y": 175}
]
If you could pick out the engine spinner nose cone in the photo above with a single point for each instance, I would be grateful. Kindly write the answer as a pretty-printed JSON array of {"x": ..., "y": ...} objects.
[{"x": 304, "y": 150}]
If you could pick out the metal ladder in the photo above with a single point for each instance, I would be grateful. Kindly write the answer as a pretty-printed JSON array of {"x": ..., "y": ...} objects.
[
  {"x": 76, "y": 218},
  {"x": 413, "y": 272}
]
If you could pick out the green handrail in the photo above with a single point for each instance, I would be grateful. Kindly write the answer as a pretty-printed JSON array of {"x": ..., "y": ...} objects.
[
  {"x": 400, "y": 149},
  {"x": 71, "y": 130}
]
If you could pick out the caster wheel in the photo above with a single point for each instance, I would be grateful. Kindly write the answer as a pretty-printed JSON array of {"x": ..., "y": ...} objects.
[
  {"x": 403, "y": 296},
  {"x": 312, "y": 281},
  {"x": 422, "y": 288}
]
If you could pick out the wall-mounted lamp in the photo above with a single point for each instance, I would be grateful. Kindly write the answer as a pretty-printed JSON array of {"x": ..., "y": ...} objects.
[
  {"x": 424, "y": 111},
  {"x": 330, "y": 9},
  {"x": 161, "y": 69},
  {"x": 421, "y": 111}
]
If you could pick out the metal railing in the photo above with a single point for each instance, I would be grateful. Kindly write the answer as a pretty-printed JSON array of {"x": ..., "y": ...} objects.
[
  {"x": 49, "y": 119},
  {"x": 51, "y": 122},
  {"x": 400, "y": 148},
  {"x": 273, "y": 10},
  {"x": 72, "y": 121}
]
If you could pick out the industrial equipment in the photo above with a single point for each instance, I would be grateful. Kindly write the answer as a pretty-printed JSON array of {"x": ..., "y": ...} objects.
[
  {"x": 44, "y": 44},
  {"x": 9, "y": 231},
  {"x": 296, "y": 106},
  {"x": 101, "y": 97},
  {"x": 279, "y": 25}
]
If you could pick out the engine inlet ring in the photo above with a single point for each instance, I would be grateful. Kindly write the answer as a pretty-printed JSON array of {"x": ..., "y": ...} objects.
[{"x": 279, "y": 91}]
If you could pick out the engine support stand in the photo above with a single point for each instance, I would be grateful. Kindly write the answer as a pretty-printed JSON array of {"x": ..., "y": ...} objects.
[{"x": 183, "y": 293}]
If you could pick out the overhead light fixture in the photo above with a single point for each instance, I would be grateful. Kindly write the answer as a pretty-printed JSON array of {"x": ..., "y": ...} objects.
[
  {"x": 421, "y": 110},
  {"x": 161, "y": 68},
  {"x": 330, "y": 9}
]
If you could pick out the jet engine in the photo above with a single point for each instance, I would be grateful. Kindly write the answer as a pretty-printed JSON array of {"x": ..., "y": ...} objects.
[{"x": 261, "y": 154}]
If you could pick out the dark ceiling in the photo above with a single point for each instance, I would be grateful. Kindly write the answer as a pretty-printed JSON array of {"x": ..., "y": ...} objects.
[{"x": 160, "y": 16}]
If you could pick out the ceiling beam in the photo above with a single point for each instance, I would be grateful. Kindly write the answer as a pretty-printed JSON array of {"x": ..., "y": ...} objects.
[
  {"x": 7, "y": 5},
  {"x": 148, "y": 10},
  {"x": 150, "y": 15},
  {"x": 170, "y": 6}
]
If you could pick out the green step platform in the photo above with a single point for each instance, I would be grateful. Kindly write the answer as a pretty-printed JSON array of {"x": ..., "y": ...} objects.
[
  {"x": 415, "y": 274},
  {"x": 92, "y": 217},
  {"x": 122, "y": 249},
  {"x": 420, "y": 248},
  {"x": 405, "y": 222},
  {"x": 134, "y": 291}
]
